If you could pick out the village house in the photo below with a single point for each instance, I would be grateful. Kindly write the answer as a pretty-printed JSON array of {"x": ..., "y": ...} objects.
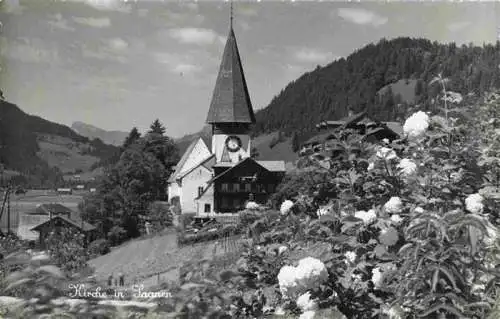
[
  {"x": 322, "y": 145},
  {"x": 223, "y": 178},
  {"x": 58, "y": 223}
]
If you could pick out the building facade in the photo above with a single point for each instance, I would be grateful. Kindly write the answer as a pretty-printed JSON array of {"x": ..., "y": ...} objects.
[{"x": 223, "y": 179}]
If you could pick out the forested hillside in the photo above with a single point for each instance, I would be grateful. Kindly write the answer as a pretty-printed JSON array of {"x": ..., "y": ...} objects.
[
  {"x": 327, "y": 92},
  {"x": 20, "y": 138}
]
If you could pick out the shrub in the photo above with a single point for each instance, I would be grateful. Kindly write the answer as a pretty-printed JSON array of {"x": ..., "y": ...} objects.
[{"x": 99, "y": 247}]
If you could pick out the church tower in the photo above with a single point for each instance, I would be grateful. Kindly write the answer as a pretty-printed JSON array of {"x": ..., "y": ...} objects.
[{"x": 231, "y": 114}]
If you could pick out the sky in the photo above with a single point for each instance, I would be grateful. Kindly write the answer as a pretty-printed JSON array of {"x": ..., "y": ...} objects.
[{"x": 117, "y": 64}]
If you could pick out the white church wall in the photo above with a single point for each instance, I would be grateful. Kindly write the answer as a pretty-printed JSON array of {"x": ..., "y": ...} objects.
[
  {"x": 190, "y": 183},
  {"x": 206, "y": 199}
]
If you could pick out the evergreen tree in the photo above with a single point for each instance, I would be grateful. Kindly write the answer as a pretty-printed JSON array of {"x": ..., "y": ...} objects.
[
  {"x": 132, "y": 137},
  {"x": 157, "y": 128}
]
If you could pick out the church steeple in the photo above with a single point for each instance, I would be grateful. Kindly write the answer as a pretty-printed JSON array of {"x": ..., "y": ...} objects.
[{"x": 230, "y": 100}]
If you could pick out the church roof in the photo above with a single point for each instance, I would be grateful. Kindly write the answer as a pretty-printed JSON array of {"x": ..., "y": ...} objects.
[
  {"x": 183, "y": 160},
  {"x": 230, "y": 100}
]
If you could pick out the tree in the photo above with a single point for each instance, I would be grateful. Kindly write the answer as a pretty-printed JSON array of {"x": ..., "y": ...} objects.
[
  {"x": 254, "y": 153},
  {"x": 295, "y": 142},
  {"x": 157, "y": 128},
  {"x": 132, "y": 137}
]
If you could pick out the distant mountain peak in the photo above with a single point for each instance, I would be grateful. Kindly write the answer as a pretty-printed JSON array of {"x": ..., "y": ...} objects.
[{"x": 109, "y": 137}]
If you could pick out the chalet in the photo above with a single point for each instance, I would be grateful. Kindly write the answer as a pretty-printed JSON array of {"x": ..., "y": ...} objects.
[
  {"x": 360, "y": 122},
  {"x": 222, "y": 178},
  {"x": 59, "y": 222}
]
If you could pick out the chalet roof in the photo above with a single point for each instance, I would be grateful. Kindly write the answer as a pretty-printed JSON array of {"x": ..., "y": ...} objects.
[
  {"x": 230, "y": 100},
  {"x": 46, "y": 209},
  {"x": 273, "y": 166},
  {"x": 183, "y": 160},
  {"x": 396, "y": 127},
  {"x": 82, "y": 225}
]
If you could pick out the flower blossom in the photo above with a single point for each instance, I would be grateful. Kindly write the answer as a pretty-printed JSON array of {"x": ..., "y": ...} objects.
[
  {"x": 252, "y": 205},
  {"x": 309, "y": 273},
  {"x": 350, "y": 257},
  {"x": 407, "y": 167},
  {"x": 416, "y": 124},
  {"x": 389, "y": 236},
  {"x": 474, "y": 203},
  {"x": 305, "y": 302},
  {"x": 396, "y": 219},
  {"x": 282, "y": 249},
  {"x": 386, "y": 153},
  {"x": 376, "y": 277},
  {"x": 286, "y": 207},
  {"x": 385, "y": 141},
  {"x": 370, "y": 166},
  {"x": 394, "y": 205},
  {"x": 419, "y": 210},
  {"x": 367, "y": 217}
]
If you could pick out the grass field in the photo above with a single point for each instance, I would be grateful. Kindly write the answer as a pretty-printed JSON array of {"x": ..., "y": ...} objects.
[
  {"x": 21, "y": 204},
  {"x": 142, "y": 260}
]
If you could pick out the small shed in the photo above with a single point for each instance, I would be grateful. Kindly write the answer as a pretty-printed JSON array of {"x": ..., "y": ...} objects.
[{"x": 59, "y": 222}]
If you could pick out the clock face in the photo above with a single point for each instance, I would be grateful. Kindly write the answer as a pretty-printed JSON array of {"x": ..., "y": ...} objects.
[{"x": 233, "y": 143}]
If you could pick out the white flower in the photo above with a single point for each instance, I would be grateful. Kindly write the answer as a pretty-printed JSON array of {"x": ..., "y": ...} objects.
[
  {"x": 389, "y": 236},
  {"x": 407, "y": 167},
  {"x": 370, "y": 166},
  {"x": 386, "y": 153},
  {"x": 367, "y": 217},
  {"x": 282, "y": 249},
  {"x": 456, "y": 176},
  {"x": 307, "y": 315},
  {"x": 416, "y": 124},
  {"x": 376, "y": 277},
  {"x": 385, "y": 141},
  {"x": 394, "y": 205},
  {"x": 305, "y": 302},
  {"x": 286, "y": 206},
  {"x": 252, "y": 205},
  {"x": 396, "y": 312},
  {"x": 309, "y": 273},
  {"x": 350, "y": 256},
  {"x": 279, "y": 311},
  {"x": 474, "y": 203},
  {"x": 396, "y": 219},
  {"x": 419, "y": 210}
]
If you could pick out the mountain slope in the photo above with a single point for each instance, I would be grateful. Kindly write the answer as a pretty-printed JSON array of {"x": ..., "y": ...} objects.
[
  {"x": 115, "y": 138},
  {"x": 328, "y": 92},
  {"x": 42, "y": 151}
]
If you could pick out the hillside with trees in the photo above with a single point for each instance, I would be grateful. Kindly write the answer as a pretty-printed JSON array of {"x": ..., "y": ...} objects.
[{"x": 25, "y": 138}]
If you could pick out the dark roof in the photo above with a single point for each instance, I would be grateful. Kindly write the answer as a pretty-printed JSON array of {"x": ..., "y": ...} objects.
[
  {"x": 46, "y": 209},
  {"x": 77, "y": 223},
  {"x": 230, "y": 100}
]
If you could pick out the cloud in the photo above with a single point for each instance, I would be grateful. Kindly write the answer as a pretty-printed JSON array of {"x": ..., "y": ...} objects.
[
  {"x": 109, "y": 5},
  {"x": 457, "y": 26},
  {"x": 29, "y": 50},
  {"x": 175, "y": 19},
  {"x": 195, "y": 36},
  {"x": 114, "y": 49},
  {"x": 361, "y": 16},
  {"x": 59, "y": 22},
  {"x": 93, "y": 22},
  {"x": 308, "y": 55}
]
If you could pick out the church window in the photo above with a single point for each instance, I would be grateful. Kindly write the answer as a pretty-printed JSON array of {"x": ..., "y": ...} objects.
[
  {"x": 248, "y": 187},
  {"x": 200, "y": 190},
  {"x": 225, "y": 187},
  {"x": 207, "y": 208},
  {"x": 236, "y": 187}
]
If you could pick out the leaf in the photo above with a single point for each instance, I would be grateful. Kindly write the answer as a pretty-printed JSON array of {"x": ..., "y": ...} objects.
[
  {"x": 435, "y": 279},
  {"x": 443, "y": 306},
  {"x": 51, "y": 270},
  {"x": 20, "y": 282}
]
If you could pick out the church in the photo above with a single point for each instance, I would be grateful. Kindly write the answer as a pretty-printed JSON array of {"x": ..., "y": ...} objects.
[{"x": 222, "y": 179}]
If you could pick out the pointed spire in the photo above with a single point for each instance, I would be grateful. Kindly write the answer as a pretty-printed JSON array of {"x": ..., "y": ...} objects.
[
  {"x": 231, "y": 21},
  {"x": 231, "y": 100}
]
